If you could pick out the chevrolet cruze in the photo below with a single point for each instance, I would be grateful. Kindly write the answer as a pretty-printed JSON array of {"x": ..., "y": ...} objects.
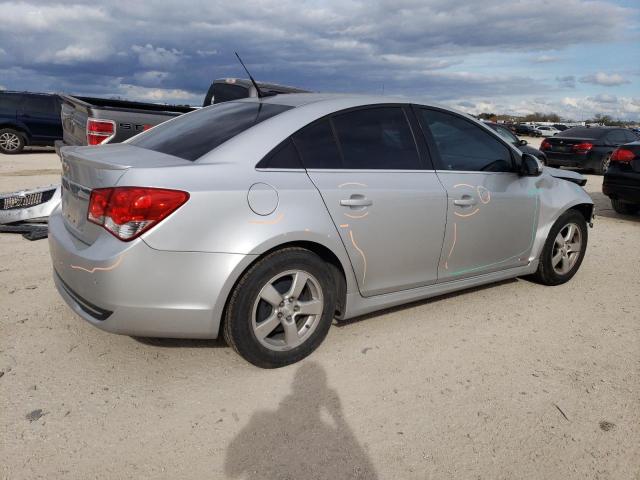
[{"x": 265, "y": 219}]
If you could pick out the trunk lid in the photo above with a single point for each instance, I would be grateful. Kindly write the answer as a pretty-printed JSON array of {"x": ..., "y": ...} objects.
[
  {"x": 565, "y": 144},
  {"x": 88, "y": 168}
]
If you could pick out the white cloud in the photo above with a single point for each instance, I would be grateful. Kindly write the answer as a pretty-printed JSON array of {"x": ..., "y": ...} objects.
[
  {"x": 605, "y": 79},
  {"x": 545, "y": 59},
  {"x": 73, "y": 54},
  {"x": 156, "y": 57}
]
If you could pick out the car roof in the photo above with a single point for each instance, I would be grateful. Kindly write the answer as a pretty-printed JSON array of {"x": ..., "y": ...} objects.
[{"x": 355, "y": 100}]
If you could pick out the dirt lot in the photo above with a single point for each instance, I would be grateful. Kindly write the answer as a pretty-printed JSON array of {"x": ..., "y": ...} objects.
[{"x": 511, "y": 381}]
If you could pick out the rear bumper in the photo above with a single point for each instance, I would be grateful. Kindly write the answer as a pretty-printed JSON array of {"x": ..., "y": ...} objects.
[
  {"x": 576, "y": 161},
  {"x": 132, "y": 289},
  {"x": 624, "y": 187}
]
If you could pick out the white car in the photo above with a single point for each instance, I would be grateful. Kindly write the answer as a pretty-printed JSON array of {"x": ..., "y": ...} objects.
[{"x": 547, "y": 131}]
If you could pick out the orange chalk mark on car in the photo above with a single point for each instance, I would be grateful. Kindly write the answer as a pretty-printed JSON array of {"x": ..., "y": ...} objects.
[
  {"x": 364, "y": 257},
  {"x": 99, "y": 269},
  {"x": 278, "y": 219}
]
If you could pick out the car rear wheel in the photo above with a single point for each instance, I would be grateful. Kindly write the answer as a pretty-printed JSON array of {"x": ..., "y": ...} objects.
[
  {"x": 564, "y": 249},
  {"x": 281, "y": 309},
  {"x": 604, "y": 164},
  {"x": 624, "y": 208},
  {"x": 11, "y": 141}
]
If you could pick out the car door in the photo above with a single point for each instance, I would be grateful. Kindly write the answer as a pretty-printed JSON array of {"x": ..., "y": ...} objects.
[
  {"x": 41, "y": 114},
  {"x": 385, "y": 200},
  {"x": 492, "y": 211}
]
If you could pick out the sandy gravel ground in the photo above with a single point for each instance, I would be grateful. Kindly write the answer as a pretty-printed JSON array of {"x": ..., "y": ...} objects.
[{"x": 512, "y": 381}]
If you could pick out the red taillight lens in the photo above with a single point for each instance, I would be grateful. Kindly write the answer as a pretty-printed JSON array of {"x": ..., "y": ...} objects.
[
  {"x": 582, "y": 147},
  {"x": 545, "y": 145},
  {"x": 622, "y": 155},
  {"x": 100, "y": 131},
  {"x": 146, "y": 127},
  {"x": 127, "y": 212}
]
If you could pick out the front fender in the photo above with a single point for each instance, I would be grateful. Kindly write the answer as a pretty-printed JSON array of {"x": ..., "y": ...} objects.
[{"x": 556, "y": 196}]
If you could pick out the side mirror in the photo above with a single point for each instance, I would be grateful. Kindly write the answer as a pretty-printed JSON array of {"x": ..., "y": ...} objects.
[
  {"x": 522, "y": 143},
  {"x": 530, "y": 166}
]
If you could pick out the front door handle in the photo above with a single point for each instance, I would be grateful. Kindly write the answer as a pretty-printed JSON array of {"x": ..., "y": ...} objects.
[
  {"x": 465, "y": 201},
  {"x": 356, "y": 201}
]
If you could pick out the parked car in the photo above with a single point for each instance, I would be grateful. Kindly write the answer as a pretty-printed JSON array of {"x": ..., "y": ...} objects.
[
  {"x": 263, "y": 219},
  {"x": 585, "y": 147},
  {"x": 560, "y": 126},
  {"x": 97, "y": 121},
  {"x": 511, "y": 138},
  {"x": 28, "y": 119},
  {"x": 527, "y": 130},
  {"x": 547, "y": 131},
  {"x": 622, "y": 179}
]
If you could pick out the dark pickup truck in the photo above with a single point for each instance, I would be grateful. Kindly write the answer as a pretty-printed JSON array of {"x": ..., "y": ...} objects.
[{"x": 95, "y": 121}]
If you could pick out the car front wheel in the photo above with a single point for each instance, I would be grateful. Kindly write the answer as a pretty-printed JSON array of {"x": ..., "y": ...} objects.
[
  {"x": 564, "y": 249},
  {"x": 281, "y": 309},
  {"x": 11, "y": 141}
]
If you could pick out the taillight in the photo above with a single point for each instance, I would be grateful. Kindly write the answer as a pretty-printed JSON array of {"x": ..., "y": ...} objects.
[
  {"x": 545, "y": 145},
  {"x": 127, "y": 212},
  {"x": 622, "y": 155},
  {"x": 100, "y": 131},
  {"x": 582, "y": 147}
]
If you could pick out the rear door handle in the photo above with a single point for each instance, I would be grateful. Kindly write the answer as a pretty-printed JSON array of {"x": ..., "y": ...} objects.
[
  {"x": 465, "y": 201},
  {"x": 356, "y": 201}
]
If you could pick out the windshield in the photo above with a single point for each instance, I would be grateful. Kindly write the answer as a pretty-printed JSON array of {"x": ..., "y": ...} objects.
[{"x": 193, "y": 135}]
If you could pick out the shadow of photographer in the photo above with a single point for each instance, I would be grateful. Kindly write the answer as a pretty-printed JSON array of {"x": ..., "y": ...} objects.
[{"x": 306, "y": 437}]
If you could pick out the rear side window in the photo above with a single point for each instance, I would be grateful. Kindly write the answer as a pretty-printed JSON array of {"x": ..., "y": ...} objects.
[
  {"x": 196, "y": 134},
  {"x": 38, "y": 104},
  {"x": 9, "y": 101},
  {"x": 376, "y": 138},
  {"x": 317, "y": 146},
  {"x": 465, "y": 146},
  {"x": 284, "y": 156}
]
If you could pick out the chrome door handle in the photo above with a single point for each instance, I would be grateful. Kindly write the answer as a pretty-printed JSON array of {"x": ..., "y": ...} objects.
[
  {"x": 464, "y": 202},
  {"x": 356, "y": 202}
]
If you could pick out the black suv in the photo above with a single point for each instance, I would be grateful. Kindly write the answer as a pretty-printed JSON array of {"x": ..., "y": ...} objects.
[{"x": 28, "y": 119}]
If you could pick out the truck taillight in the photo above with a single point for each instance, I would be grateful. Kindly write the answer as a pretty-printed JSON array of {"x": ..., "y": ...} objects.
[
  {"x": 582, "y": 147},
  {"x": 622, "y": 155},
  {"x": 100, "y": 131},
  {"x": 127, "y": 212}
]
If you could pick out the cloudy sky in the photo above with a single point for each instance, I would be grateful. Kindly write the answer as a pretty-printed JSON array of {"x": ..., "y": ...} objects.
[{"x": 573, "y": 57}]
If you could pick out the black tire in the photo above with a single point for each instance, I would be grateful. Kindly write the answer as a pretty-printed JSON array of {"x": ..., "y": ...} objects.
[
  {"x": 11, "y": 141},
  {"x": 546, "y": 274},
  {"x": 624, "y": 208},
  {"x": 604, "y": 164},
  {"x": 238, "y": 328}
]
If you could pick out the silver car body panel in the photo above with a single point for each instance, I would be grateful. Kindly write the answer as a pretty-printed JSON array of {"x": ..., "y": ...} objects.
[{"x": 175, "y": 279}]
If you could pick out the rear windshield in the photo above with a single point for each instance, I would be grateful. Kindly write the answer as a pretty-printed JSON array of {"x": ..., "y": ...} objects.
[
  {"x": 581, "y": 132},
  {"x": 196, "y": 134}
]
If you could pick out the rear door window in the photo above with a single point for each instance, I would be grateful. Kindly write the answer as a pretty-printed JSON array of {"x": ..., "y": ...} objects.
[
  {"x": 376, "y": 138},
  {"x": 193, "y": 135},
  {"x": 465, "y": 146},
  {"x": 317, "y": 146},
  {"x": 9, "y": 102}
]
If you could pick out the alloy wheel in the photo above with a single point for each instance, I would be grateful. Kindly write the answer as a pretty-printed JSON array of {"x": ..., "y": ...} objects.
[
  {"x": 287, "y": 310},
  {"x": 566, "y": 249},
  {"x": 9, "y": 142}
]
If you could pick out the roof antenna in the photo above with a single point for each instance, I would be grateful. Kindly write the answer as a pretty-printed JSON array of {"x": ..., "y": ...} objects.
[{"x": 255, "y": 84}]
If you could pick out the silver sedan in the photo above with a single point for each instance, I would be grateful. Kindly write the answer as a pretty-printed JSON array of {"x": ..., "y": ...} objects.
[{"x": 265, "y": 219}]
